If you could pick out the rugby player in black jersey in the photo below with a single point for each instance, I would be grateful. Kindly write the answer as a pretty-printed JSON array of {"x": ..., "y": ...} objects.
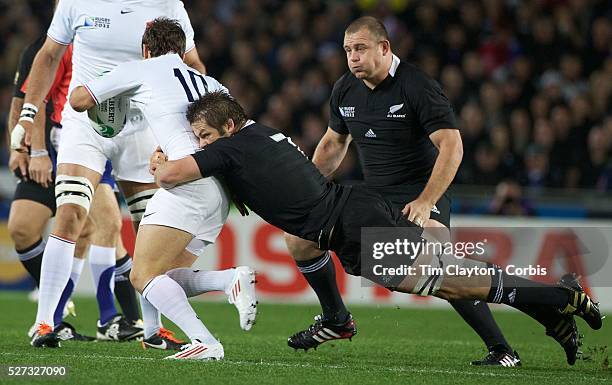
[
  {"x": 266, "y": 172},
  {"x": 405, "y": 130}
]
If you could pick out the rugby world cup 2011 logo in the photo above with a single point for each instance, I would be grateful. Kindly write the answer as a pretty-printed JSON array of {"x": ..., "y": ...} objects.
[
  {"x": 347, "y": 112},
  {"x": 96, "y": 22}
]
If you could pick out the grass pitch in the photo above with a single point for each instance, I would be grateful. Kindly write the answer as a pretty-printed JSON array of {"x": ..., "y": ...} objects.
[{"x": 393, "y": 345}]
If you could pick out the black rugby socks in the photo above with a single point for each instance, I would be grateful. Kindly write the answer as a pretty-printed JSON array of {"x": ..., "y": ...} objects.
[
  {"x": 124, "y": 291},
  {"x": 513, "y": 290},
  {"x": 478, "y": 315},
  {"x": 321, "y": 275},
  {"x": 31, "y": 259}
]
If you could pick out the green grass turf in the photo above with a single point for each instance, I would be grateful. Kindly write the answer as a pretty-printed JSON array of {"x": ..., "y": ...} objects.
[{"x": 394, "y": 345}]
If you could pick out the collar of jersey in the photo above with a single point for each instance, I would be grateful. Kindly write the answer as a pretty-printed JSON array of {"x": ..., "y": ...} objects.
[{"x": 394, "y": 64}]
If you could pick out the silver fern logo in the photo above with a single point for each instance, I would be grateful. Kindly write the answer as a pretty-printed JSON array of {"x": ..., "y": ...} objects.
[{"x": 395, "y": 108}]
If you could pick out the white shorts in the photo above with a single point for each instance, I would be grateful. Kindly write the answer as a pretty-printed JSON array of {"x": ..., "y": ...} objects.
[
  {"x": 199, "y": 208},
  {"x": 129, "y": 151}
]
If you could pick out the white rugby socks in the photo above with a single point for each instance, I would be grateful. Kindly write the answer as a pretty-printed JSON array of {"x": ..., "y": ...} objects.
[
  {"x": 151, "y": 318},
  {"x": 196, "y": 282},
  {"x": 54, "y": 275},
  {"x": 167, "y": 295}
]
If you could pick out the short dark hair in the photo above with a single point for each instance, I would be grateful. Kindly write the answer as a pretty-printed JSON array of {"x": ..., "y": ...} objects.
[
  {"x": 216, "y": 108},
  {"x": 372, "y": 24},
  {"x": 164, "y": 35}
]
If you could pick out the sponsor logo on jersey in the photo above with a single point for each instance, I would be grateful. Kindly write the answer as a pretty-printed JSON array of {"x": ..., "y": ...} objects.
[
  {"x": 395, "y": 108},
  {"x": 370, "y": 134},
  {"x": 96, "y": 22},
  {"x": 347, "y": 112}
]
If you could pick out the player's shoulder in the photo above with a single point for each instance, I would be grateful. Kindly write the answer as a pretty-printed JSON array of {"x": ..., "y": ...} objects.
[
  {"x": 344, "y": 84},
  {"x": 412, "y": 75}
]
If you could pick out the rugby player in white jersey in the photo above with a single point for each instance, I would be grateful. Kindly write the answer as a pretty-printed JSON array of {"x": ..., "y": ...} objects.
[
  {"x": 188, "y": 216},
  {"x": 104, "y": 33}
]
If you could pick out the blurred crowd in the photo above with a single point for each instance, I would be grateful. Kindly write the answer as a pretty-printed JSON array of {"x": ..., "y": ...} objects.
[{"x": 530, "y": 81}]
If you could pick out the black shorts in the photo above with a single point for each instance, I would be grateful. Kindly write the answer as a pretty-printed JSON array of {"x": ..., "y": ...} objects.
[
  {"x": 33, "y": 191},
  {"x": 400, "y": 195},
  {"x": 363, "y": 208}
]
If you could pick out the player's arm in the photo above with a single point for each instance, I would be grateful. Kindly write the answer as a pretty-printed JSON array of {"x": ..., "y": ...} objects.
[
  {"x": 121, "y": 79},
  {"x": 213, "y": 160},
  {"x": 450, "y": 152},
  {"x": 42, "y": 75},
  {"x": 17, "y": 159},
  {"x": 81, "y": 100},
  {"x": 169, "y": 173},
  {"x": 330, "y": 151},
  {"x": 13, "y": 116},
  {"x": 436, "y": 116},
  {"x": 192, "y": 59}
]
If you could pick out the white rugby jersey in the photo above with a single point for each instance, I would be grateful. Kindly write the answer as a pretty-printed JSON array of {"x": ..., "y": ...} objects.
[
  {"x": 162, "y": 88},
  {"x": 108, "y": 32}
]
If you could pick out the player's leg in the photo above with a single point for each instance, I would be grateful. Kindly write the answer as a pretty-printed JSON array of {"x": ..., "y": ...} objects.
[
  {"x": 475, "y": 313},
  {"x": 107, "y": 217},
  {"x": 496, "y": 286},
  {"x": 124, "y": 291},
  {"x": 74, "y": 187},
  {"x": 318, "y": 268},
  {"x": 237, "y": 283},
  {"x": 64, "y": 330},
  {"x": 105, "y": 214},
  {"x": 137, "y": 196},
  {"x": 26, "y": 224},
  {"x": 158, "y": 250},
  {"x": 30, "y": 211}
]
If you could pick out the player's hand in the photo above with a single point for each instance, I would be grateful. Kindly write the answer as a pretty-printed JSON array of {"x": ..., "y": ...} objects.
[
  {"x": 157, "y": 158},
  {"x": 19, "y": 161},
  {"x": 27, "y": 126},
  {"x": 17, "y": 138},
  {"x": 41, "y": 170},
  {"x": 417, "y": 211}
]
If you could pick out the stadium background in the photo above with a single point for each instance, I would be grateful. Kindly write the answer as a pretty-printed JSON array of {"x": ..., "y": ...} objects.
[{"x": 530, "y": 82}]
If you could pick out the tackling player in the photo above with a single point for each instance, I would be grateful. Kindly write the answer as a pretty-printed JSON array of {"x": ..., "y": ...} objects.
[
  {"x": 267, "y": 172},
  {"x": 104, "y": 35},
  {"x": 183, "y": 219}
]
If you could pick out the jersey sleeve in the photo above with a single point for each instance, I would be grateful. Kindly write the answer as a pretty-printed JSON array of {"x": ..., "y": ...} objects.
[
  {"x": 62, "y": 28},
  {"x": 336, "y": 120},
  {"x": 213, "y": 160},
  {"x": 121, "y": 79},
  {"x": 432, "y": 107},
  {"x": 183, "y": 18},
  {"x": 215, "y": 85}
]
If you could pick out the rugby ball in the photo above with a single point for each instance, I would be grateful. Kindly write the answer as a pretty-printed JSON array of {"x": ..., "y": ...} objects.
[{"x": 109, "y": 117}]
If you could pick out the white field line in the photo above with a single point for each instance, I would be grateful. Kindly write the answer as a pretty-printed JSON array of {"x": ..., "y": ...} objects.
[{"x": 508, "y": 373}]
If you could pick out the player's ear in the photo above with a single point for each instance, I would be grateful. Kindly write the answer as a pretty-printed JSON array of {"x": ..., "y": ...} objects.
[
  {"x": 386, "y": 47},
  {"x": 231, "y": 127},
  {"x": 146, "y": 53}
]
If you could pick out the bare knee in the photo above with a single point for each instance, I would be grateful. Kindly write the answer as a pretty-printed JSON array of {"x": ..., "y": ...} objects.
[
  {"x": 138, "y": 279},
  {"x": 301, "y": 249},
  {"x": 22, "y": 235},
  {"x": 88, "y": 229},
  {"x": 69, "y": 221}
]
